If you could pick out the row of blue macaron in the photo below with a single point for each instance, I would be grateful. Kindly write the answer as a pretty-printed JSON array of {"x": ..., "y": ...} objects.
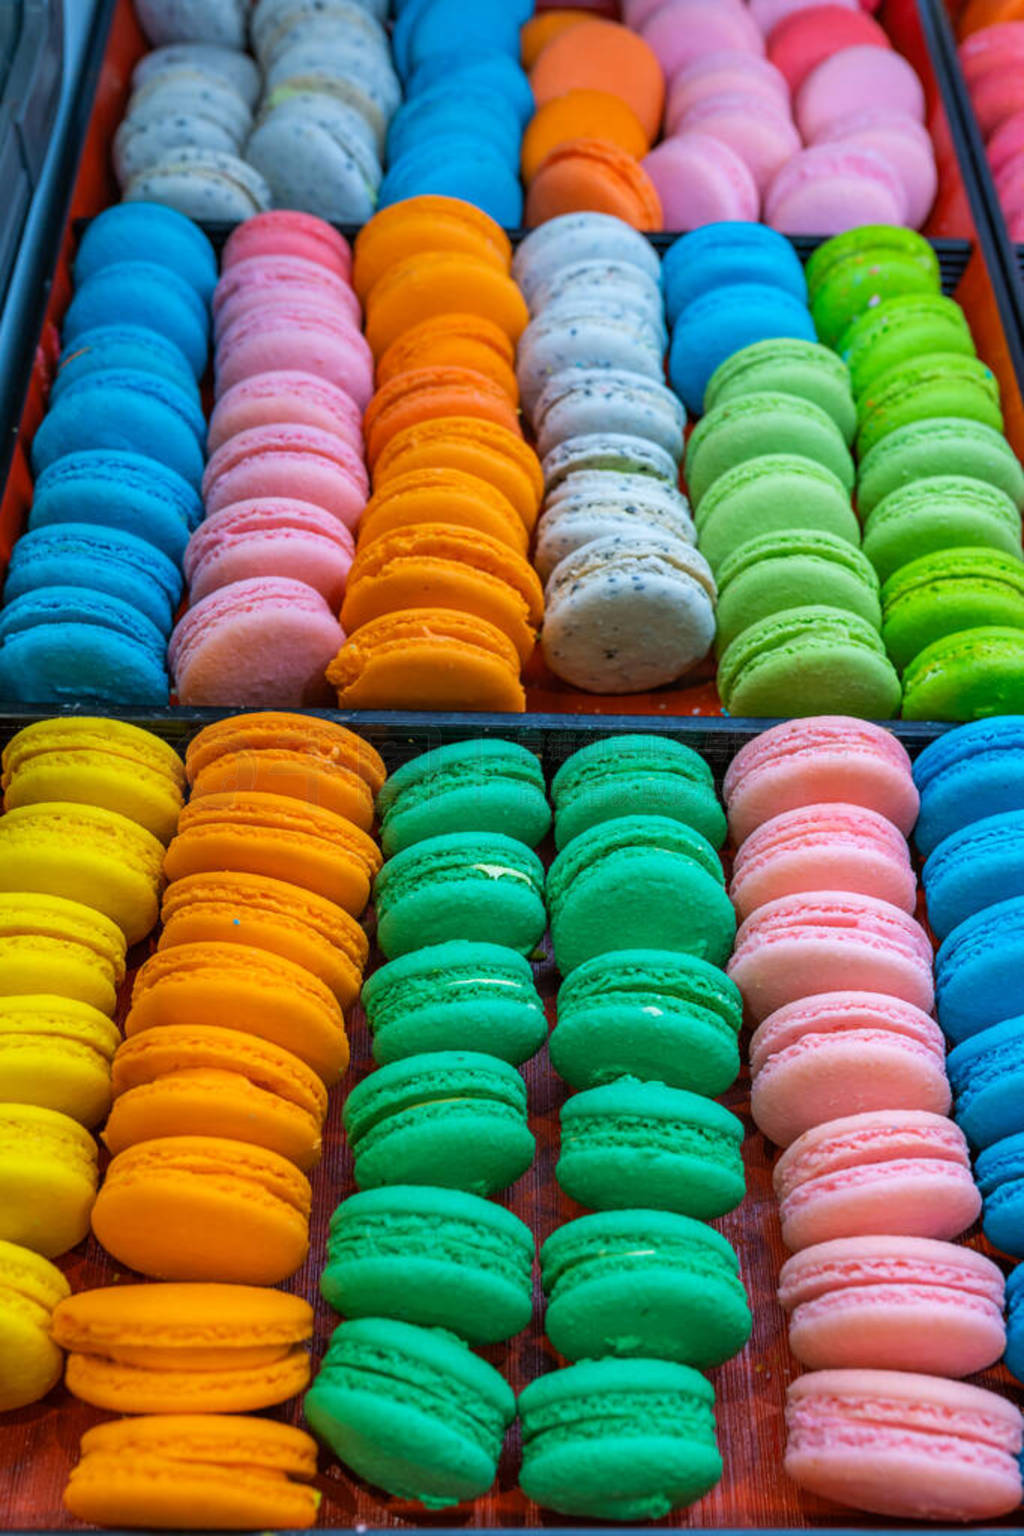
[{"x": 95, "y": 581}]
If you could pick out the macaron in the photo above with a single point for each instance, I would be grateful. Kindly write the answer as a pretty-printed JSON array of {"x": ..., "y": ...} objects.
[
  {"x": 470, "y": 341},
  {"x": 899, "y": 329},
  {"x": 300, "y": 756},
  {"x": 1014, "y": 1358},
  {"x": 126, "y": 491},
  {"x": 48, "y": 1178},
  {"x": 792, "y": 365},
  {"x": 442, "y": 495},
  {"x": 425, "y": 223},
  {"x": 975, "y": 969},
  {"x": 593, "y": 174},
  {"x": 269, "y": 537},
  {"x": 942, "y": 384},
  {"x": 700, "y": 180},
  {"x": 456, "y": 1119},
  {"x": 860, "y": 268},
  {"x": 435, "y": 282},
  {"x": 124, "y": 410},
  {"x": 723, "y": 254},
  {"x": 985, "y": 1071},
  {"x": 727, "y": 320},
  {"x": 936, "y": 514},
  {"x": 598, "y": 504},
  {"x": 575, "y": 237},
  {"x": 760, "y": 423},
  {"x": 30, "y": 1288},
  {"x": 55, "y": 1052},
  {"x": 966, "y": 774},
  {"x": 604, "y": 56},
  {"x": 966, "y": 676},
  {"x": 426, "y": 394},
  {"x": 432, "y": 658},
  {"x": 774, "y": 572},
  {"x": 148, "y": 232},
  {"x": 940, "y": 446},
  {"x": 481, "y": 786},
  {"x": 943, "y": 594},
  {"x": 664, "y": 777},
  {"x": 67, "y": 947},
  {"x": 802, "y": 659},
  {"x": 773, "y": 496},
  {"x": 580, "y": 114}
]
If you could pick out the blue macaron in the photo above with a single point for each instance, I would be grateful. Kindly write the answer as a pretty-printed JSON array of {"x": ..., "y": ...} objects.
[
  {"x": 66, "y": 645},
  {"x": 986, "y": 1073},
  {"x": 118, "y": 490},
  {"x": 101, "y": 559},
  {"x": 723, "y": 321},
  {"x": 1015, "y": 1323},
  {"x": 999, "y": 1170},
  {"x": 127, "y": 410},
  {"x": 979, "y": 970},
  {"x": 974, "y": 868},
  {"x": 142, "y": 293},
  {"x": 428, "y": 27},
  {"x": 446, "y": 110},
  {"x": 722, "y": 255},
  {"x": 123, "y": 346},
  {"x": 148, "y": 232},
  {"x": 970, "y": 773},
  {"x": 461, "y": 166},
  {"x": 491, "y": 72}
]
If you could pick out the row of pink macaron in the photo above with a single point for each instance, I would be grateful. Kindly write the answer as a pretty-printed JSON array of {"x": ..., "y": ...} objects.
[
  {"x": 848, "y": 1075},
  {"x": 286, "y": 481},
  {"x": 737, "y": 77},
  {"x": 992, "y": 60}
]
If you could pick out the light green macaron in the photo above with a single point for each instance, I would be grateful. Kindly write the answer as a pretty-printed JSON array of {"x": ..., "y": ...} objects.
[
  {"x": 778, "y": 493},
  {"x": 943, "y": 445},
  {"x": 940, "y": 512},
  {"x": 949, "y": 591},
  {"x": 809, "y": 661},
  {"x": 942, "y": 384},
  {"x": 778, "y": 571},
  {"x": 754, "y": 425},
  {"x": 790, "y": 365}
]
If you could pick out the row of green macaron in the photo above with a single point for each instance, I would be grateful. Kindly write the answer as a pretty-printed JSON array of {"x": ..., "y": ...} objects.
[
  {"x": 805, "y": 613},
  {"x": 443, "y": 1123}
]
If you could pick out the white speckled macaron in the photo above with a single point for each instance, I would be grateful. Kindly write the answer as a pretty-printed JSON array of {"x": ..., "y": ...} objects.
[
  {"x": 618, "y": 452},
  {"x": 584, "y": 400},
  {"x": 576, "y": 237},
  {"x": 580, "y": 519}
]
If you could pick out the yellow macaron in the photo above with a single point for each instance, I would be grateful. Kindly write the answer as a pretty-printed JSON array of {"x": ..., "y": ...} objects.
[
  {"x": 59, "y": 947},
  {"x": 30, "y": 1288},
  {"x": 48, "y": 1178},
  {"x": 56, "y": 1052}
]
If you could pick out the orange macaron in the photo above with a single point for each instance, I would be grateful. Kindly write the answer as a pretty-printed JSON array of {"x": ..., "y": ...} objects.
[
  {"x": 535, "y": 34},
  {"x": 424, "y": 394},
  {"x": 477, "y": 447},
  {"x": 580, "y": 114},
  {"x": 433, "y": 282},
  {"x": 601, "y": 55},
  {"x": 454, "y": 340},
  {"x": 442, "y": 496},
  {"x": 428, "y": 658},
  {"x": 427, "y": 223},
  {"x": 301, "y": 756},
  {"x": 593, "y": 176}
]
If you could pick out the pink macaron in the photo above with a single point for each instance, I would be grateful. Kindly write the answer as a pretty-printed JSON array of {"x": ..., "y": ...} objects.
[
  {"x": 760, "y": 131},
  {"x": 999, "y": 94},
  {"x": 902, "y": 141},
  {"x": 680, "y": 31},
  {"x": 892, "y": 1171},
  {"x": 905, "y": 1445},
  {"x": 719, "y": 74},
  {"x": 991, "y": 48},
  {"x": 832, "y": 188},
  {"x": 794, "y": 946},
  {"x": 700, "y": 180},
  {"x": 1007, "y": 143},
  {"x": 805, "y": 38},
  {"x": 768, "y": 13},
  {"x": 843, "y": 1053},
  {"x": 250, "y": 284},
  {"x": 894, "y": 1303},
  {"x": 852, "y": 77},
  {"x": 300, "y": 337},
  {"x": 270, "y": 537},
  {"x": 297, "y": 462},
  {"x": 271, "y": 399},
  {"x": 263, "y": 643},
  {"x": 286, "y": 233},
  {"x": 831, "y": 847},
  {"x": 818, "y": 759}
]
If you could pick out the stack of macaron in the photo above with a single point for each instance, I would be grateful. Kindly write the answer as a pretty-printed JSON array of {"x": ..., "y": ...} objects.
[
  {"x": 990, "y": 58},
  {"x": 938, "y": 486},
  {"x": 630, "y": 602},
  {"x": 875, "y": 1181},
  {"x": 642, "y": 1295},
  {"x": 442, "y": 606},
  {"x": 437, "y": 1128},
  {"x": 599, "y": 93},
  {"x": 286, "y": 483},
  {"x": 94, "y": 583},
  {"x": 458, "y": 131},
  {"x": 329, "y": 93}
]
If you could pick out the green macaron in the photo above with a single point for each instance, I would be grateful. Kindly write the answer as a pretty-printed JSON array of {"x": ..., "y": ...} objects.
[
  {"x": 648, "y": 1013},
  {"x": 754, "y": 425},
  {"x": 631, "y": 1143},
  {"x": 777, "y": 493},
  {"x": 777, "y": 571},
  {"x": 949, "y": 591},
  {"x": 452, "y": 1118},
  {"x": 455, "y": 997},
  {"x": 792, "y": 366},
  {"x": 900, "y": 330},
  {"x": 860, "y": 268},
  {"x": 942, "y": 384},
  {"x": 940, "y": 512},
  {"x": 635, "y": 775},
  {"x": 940, "y": 446},
  {"x": 626, "y": 1440},
  {"x": 463, "y": 885},
  {"x": 806, "y": 662},
  {"x": 647, "y": 1283},
  {"x": 639, "y": 882},
  {"x": 967, "y": 676},
  {"x": 468, "y": 786},
  {"x": 412, "y": 1410},
  {"x": 438, "y": 1257}
]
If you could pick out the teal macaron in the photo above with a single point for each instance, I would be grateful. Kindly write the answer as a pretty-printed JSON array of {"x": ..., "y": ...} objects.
[
  {"x": 899, "y": 330},
  {"x": 793, "y": 366},
  {"x": 461, "y": 885},
  {"x": 439, "y": 1257},
  {"x": 639, "y": 882},
  {"x": 648, "y": 775},
  {"x": 633, "y": 1144},
  {"x": 471, "y": 786},
  {"x": 777, "y": 571},
  {"x": 942, "y": 384},
  {"x": 751, "y": 426},
  {"x": 455, "y": 997},
  {"x": 949, "y": 591},
  {"x": 803, "y": 661},
  {"x": 776, "y": 493},
  {"x": 411, "y": 1410},
  {"x": 647, "y": 1283},
  {"x": 967, "y": 676},
  {"x": 626, "y": 1440},
  {"x": 945, "y": 445},
  {"x": 456, "y": 1119},
  {"x": 942, "y": 512},
  {"x": 651, "y": 1014}
]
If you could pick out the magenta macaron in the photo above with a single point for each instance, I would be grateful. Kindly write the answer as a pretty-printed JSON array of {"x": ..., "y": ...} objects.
[
  {"x": 297, "y": 462},
  {"x": 270, "y": 537},
  {"x": 893, "y": 1171},
  {"x": 290, "y": 395},
  {"x": 841, "y": 1053},
  {"x": 286, "y": 233}
]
